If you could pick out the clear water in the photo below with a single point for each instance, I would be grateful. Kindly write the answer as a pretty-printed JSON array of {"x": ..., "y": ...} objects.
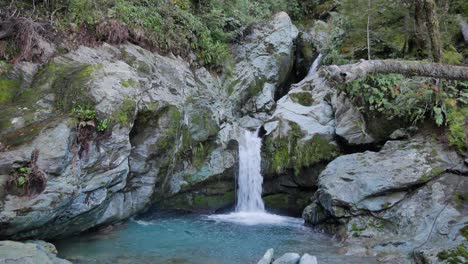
[
  {"x": 157, "y": 238},
  {"x": 250, "y": 180},
  {"x": 315, "y": 64}
]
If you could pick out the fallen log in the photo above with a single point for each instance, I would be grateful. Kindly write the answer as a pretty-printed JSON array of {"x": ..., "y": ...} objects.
[{"x": 350, "y": 72}]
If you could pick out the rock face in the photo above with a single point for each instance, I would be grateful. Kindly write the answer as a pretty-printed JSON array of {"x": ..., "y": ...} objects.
[
  {"x": 263, "y": 64},
  {"x": 120, "y": 128},
  {"x": 31, "y": 252},
  {"x": 394, "y": 195}
]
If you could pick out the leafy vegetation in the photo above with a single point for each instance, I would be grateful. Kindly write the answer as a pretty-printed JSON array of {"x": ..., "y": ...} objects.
[
  {"x": 414, "y": 100},
  {"x": 392, "y": 31},
  {"x": 178, "y": 26},
  {"x": 27, "y": 179}
]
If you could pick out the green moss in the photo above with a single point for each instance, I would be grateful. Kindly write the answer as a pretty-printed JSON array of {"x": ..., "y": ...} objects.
[
  {"x": 454, "y": 256},
  {"x": 8, "y": 89},
  {"x": 464, "y": 231},
  {"x": 355, "y": 228},
  {"x": 257, "y": 86},
  {"x": 126, "y": 112},
  {"x": 202, "y": 201},
  {"x": 199, "y": 154},
  {"x": 287, "y": 203},
  {"x": 293, "y": 153},
  {"x": 436, "y": 171},
  {"x": 460, "y": 198},
  {"x": 128, "y": 83},
  {"x": 68, "y": 81},
  {"x": 199, "y": 201},
  {"x": 303, "y": 98}
]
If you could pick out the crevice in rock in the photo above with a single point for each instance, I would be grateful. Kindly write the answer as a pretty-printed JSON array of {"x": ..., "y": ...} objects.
[{"x": 347, "y": 148}]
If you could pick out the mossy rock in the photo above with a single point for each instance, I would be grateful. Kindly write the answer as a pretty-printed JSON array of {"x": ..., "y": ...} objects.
[
  {"x": 303, "y": 98},
  {"x": 288, "y": 204},
  {"x": 292, "y": 152},
  {"x": 199, "y": 202}
]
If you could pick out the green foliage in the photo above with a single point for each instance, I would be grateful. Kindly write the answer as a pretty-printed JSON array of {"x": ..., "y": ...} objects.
[
  {"x": 411, "y": 100},
  {"x": 103, "y": 125},
  {"x": 84, "y": 113},
  {"x": 457, "y": 125},
  {"x": 457, "y": 255}
]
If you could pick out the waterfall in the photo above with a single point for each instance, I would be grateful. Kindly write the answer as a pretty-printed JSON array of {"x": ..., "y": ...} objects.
[
  {"x": 250, "y": 209},
  {"x": 314, "y": 66},
  {"x": 250, "y": 180}
]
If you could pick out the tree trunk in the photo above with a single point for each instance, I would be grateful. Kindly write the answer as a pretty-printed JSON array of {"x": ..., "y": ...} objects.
[
  {"x": 368, "y": 29},
  {"x": 350, "y": 72},
  {"x": 419, "y": 42},
  {"x": 432, "y": 22}
]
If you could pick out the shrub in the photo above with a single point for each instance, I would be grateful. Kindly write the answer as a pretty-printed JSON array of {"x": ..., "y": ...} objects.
[{"x": 28, "y": 179}]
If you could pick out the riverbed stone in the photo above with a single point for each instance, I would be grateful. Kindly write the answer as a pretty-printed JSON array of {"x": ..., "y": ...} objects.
[
  {"x": 308, "y": 259},
  {"x": 288, "y": 258},
  {"x": 267, "y": 257},
  {"x": 30, "y": 252}
]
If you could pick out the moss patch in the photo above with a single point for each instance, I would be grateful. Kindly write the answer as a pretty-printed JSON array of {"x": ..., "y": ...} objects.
[
  {"x": 303, "y": 98},
  {"x": 291, "y": 204},
  {"x": 291, "y": 152},
  {"x": 454, "y": 256},
  {"x": 8, "y": 89},
  {"x": 126, "y": 112},
  {"x": 436, "y": 171}
]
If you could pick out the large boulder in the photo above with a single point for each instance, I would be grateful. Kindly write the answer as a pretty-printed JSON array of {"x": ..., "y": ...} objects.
[
  {"x": 262, "y": 64},
  {"x": 396, "y": 194},
  {"x": 30, "y": 252},
  {"x": 120, "y": 128}
]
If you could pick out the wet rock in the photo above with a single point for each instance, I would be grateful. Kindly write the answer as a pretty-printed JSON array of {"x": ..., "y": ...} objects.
[
  {"x": 33, "y": 252},
  {"x": 393, "y": 198},
  {"x": 263, "y": 63},
  {"x": 308, "y": 259},
  {"x": 267, "y": 258},
  {"x": 350, "y": 123},
  {"x": 288, "y": 258},
  {"x": 170, "y": 131}
]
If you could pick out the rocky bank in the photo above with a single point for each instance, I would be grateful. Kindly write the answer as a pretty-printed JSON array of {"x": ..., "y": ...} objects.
[{"x": 119, "y": 129}]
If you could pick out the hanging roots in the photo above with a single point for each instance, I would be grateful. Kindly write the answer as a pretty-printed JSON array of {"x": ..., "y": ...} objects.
[
  {"x": 26, "y": 33},
  {"x": 113, "y": 31},
  {"x": 27, "y": 180}
]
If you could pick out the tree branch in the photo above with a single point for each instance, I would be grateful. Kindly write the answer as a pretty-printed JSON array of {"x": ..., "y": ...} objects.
[{"x": 350, "y": 72}]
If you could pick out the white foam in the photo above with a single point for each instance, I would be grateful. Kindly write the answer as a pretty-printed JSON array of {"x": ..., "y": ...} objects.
[{"x": 257, "y": 218}]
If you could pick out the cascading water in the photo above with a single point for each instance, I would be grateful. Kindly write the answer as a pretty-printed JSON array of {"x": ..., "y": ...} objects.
[
  {"x": 250, "y": 180},
  {"x": 314, "y": 66},
  {"x": 250, "y": 209}
]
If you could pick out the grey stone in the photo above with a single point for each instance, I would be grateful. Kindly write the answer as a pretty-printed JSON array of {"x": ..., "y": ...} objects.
[
  {"x": 350, "y": 123},
  {"x": 30, "y": 252},
  {"x": 288, "y": 258},
  {"x": 267, "y": 257},
  {"x": 308, "y": 259}
]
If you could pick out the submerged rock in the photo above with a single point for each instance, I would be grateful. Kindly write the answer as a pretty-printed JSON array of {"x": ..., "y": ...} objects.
[
  {"x": 31, "y": 252},
  {"x": 288, "y": 258},
  {"x": 308, "y": 259},
  {"x": 267, "y": 257}
]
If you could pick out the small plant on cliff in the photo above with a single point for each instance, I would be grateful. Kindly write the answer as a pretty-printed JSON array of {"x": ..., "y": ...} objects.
[
  {"x": 87, "y": 124},
  {"x": 28, "y": 179}
]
